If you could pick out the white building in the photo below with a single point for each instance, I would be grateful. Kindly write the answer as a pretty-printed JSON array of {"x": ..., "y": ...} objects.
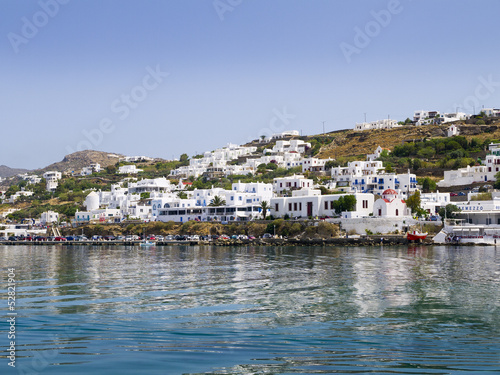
[
  {"x": 425, "y": 117},
  {"x": 431, "y": 202},
  {"x": 444, "y": 118},
  {"x": 452, "y": 131},
  {"x": 128, "y": 169},
  {"x": 314, "y": 164},
  {"x": 49, "y": 217},
  {"x": 104, "y": 215},
  {"x": 135, "y": 159},
  {"x": 150, "y": 185},
  {"x": 92, "y": 168},
  {"x": 306, "y": 203},
  {"x": 481, "y": 173},
  {"x": 14, "y": 197},
  {"x": 286, "y": 133},
  {"x": 52, "y": 180},
  {"x": 293, "y": 145},
  {"x": 31, "y": 179},
  {"x": 242, "y": 203},
  {"x": 390, "y": 205},
  {"x": 379, "y": 124},
  {"x": 376, "y": 154},
  {"x": 493, "y": 112},
  {"x": 295, "y": 182}
]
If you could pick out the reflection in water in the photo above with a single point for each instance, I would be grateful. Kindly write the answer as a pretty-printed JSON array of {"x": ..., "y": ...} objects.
[{"x": 219, "y": 310}]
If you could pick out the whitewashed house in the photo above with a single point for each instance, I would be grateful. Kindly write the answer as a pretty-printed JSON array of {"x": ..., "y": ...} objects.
[
  {"x": 49, "y": 217},
  {"x": 312, "y": 164},
  {"x": 14, "y": 197},
  {"x": 128, "y": 169},
  {"x": 379, "y": 124},
  {"x": 30, "y": 179},
  {"x": 289, "y": 183}
]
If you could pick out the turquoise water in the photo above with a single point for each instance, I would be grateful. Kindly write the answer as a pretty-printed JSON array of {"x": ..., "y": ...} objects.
[{"x": 253, "y": 310}]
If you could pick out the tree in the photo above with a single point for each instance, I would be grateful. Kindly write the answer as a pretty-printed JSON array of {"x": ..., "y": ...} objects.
[
  {"x": 344, "y": 203},
  {"x": 182, "y": 195},
  {"x": 217, "y": 201},
  {"x": 448, "y": 212},
  {"x": 413, "y": 201},
  {"x": 265, "y": 206},
  {"x": 184, "y": 158}
]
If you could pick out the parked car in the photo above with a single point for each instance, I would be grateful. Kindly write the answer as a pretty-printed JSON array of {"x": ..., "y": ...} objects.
[
  {"x": 12, "y": 238},
  {"x": 3, "y": 239},
  {"x": 267, "y": 235},
  {"x": 169, "y": 238},
  {"x": 462, "y": 193},
  {"x": 60, "y": 239},
  {"x": 453, "y": 194},
  {"x": 195, "y": 237},
  {"x": 251, "y": 237},
  {"x": 70, "y": 238}
]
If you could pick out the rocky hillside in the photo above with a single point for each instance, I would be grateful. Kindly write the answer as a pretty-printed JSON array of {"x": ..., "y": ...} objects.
[
  {"x": 9, "y": 172},
  {"x": 359, "y": 143},
  {"x": 78, "y": 160}
]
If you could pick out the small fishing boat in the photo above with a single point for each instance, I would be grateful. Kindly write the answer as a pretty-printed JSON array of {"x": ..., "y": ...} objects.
[
  {"x": 147, "y": 243},
  {"x": 416, "y": 236}
]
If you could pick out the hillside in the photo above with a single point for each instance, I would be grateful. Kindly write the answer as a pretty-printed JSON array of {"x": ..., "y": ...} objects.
[
  {"x": 78, "y": 160},
  {"x": 349, "y": 143},
  {"x": 9, "y": 172}
]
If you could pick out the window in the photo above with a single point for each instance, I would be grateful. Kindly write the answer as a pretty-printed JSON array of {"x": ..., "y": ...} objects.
[
  {"x": 289, "y": 206},
  {"x": 300, "y": 206},
  {"x": 331, "y": 205},
  {"x": 397, "y": 212},
  {"x": 295, "y": 206},
  {"x": 326, "y": 205},
  {"x": 276, "y": 207}
]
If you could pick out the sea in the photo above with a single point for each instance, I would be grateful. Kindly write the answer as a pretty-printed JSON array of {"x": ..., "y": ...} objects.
[{"x": 249, "y": 310}]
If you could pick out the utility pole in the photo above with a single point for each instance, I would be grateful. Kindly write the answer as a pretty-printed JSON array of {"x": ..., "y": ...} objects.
[
  {"x": 365, "y": 116},
  {"x": 323, "y": 127}
]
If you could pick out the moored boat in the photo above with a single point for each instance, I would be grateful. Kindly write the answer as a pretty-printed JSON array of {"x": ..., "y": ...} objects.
[{"x": 416, "y": 236}]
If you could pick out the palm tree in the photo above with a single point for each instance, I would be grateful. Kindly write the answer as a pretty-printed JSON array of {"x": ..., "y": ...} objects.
[
  {"x": 265, "y": 206},
  {"x": 217, "y": 201}
]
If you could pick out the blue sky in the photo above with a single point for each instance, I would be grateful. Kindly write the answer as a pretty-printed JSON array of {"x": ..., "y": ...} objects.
[{"x": 227, "y": 69}]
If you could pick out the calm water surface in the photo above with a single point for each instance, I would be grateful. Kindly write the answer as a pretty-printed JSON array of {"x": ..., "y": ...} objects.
[{"x": 253, "y": 310}]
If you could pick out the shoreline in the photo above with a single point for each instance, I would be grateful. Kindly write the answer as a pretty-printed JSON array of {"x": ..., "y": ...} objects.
[{"x": 356, "y": 241}]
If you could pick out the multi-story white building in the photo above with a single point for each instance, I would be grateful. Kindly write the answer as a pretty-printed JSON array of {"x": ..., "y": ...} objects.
[
  {"x": 314, "y": 164},
  {"x": 293, "y": 145},
  {"x": 425, "y": 117},
  {"x": 52, "y": 180},
  {"x": 150, "y": 185},
  {"x": 241, "y": 203},
  {"x": 14, "y": 197},
  {"x": 135, "y": 159},
  {"x": 30, "y": 179},
  {"x": 379, "y": 124},
  {"x": 286, "y": 133},
  {"x": 92, "y": 168},
  {"x": 295, "y": 182}
]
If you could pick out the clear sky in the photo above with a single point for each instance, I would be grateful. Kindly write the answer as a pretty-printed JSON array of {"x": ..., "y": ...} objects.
[{"x": 163, "y": 77}]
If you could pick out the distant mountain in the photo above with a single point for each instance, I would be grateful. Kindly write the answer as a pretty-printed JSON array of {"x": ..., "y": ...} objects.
[
  {"x": 9, "y": 172},
  {"x": 77, "y": 160}
]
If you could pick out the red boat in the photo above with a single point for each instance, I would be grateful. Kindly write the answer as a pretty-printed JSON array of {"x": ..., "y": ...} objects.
[{"x": 416, "y": 236}]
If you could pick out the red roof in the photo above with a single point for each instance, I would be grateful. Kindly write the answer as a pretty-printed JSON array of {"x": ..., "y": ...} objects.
[
  {"x": 187, "y": 183},
  {"x": 389, "y": 192}
]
